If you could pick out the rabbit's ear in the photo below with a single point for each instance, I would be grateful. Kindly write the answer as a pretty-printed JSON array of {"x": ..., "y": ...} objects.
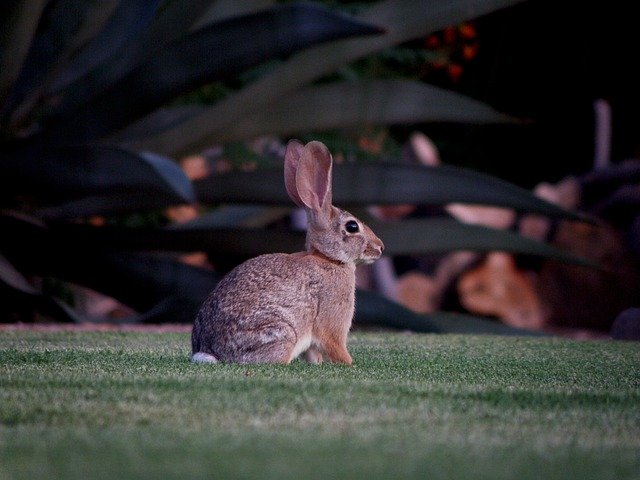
[
  {"x": 291, "y": 161},
  {"x": 313, "y": 177}
]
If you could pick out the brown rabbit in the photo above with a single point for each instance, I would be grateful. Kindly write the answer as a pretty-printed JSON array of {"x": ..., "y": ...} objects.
[{"x": 274, "y": 307}]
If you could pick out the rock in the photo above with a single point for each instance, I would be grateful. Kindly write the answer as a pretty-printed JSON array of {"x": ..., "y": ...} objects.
[{"x": 626, "y": 326}]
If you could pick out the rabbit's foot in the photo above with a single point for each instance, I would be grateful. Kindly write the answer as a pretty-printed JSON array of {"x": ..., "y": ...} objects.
[
  {"x": 313, "y": 355},
  {"x": 337, "y": 352},
  {"x": 202, "y": 357}
]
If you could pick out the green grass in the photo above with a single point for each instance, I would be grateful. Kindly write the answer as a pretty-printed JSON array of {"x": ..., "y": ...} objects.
[{"x": 130, "y": 405}]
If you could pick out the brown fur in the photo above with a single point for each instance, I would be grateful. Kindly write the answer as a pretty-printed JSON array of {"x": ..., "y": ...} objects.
[{"x": 274, "y": 307}]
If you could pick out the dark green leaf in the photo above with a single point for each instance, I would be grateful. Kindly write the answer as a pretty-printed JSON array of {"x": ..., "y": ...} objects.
[
  {"x": 127, "y": 21},
  {"x": 402, "y": 20},
  {"x": 373, "y": 309},
  {"x": 58, "y": 26},
  {"x": 172, "y": 22},
  {"x": 11, "y": 277},
  {"x": 17, "y": 28},
  {"x": 229, "y": 216},
  {"x": 229, "y": 241},
  {"x": 19, "y": 291},
  {"x": 348, "y": 104},
  {"x": 179, "y": 67},
  {"x": 156, "y": 122},
  {"x": 370, "y": 184},
  {"x": 19, "y": 301},
  {"x": 223, "y": 9},
  {"x": 437, "y": 235},
  {"x": 141, "y": 281},
  {"x": 74, "y": 173},
  {"x": 172, "y": 291},
  {"x": 408, "y": 237},
  {"x": 108, "y": 204}
]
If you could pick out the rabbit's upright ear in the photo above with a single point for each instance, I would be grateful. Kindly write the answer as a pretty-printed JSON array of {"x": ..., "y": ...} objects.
[
  {"x": 291, "y": 161},
  {"x": 313, "y": 178}
]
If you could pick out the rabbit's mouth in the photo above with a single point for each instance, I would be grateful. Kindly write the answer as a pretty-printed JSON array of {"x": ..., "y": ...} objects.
[
  {"x": 372, "y": 253},
  {"x": 365, "y": 261}
]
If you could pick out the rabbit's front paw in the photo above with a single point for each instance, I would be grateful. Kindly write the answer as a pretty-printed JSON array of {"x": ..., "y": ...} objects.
[{"x": 313, "y": 355}]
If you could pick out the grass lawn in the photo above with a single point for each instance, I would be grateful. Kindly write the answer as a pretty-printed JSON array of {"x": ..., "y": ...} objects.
[{"x": 130, "y": 405}]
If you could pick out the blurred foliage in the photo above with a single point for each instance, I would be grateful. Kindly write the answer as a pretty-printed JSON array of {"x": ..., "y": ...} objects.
[{"x": 98, "y": 102}]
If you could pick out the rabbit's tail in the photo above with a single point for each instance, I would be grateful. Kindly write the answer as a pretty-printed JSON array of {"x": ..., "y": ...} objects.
[{"x": 201, "y": 357}]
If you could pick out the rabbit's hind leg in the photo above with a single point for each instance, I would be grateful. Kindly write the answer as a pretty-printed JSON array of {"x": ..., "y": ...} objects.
[{"x": 272, "y": 343}]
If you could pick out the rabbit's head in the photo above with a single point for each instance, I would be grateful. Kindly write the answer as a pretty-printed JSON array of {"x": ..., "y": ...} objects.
[{"x": 332, "y": 232}]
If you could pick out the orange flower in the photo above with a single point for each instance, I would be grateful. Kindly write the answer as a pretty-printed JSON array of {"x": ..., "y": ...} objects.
[
  {"x": 467, "y": 31},
  {"x": 449, "y": 35},
  {"x": 370, "y": 145},
  {"x": 469, "y": 52},
  {"x": 454, "y": 71},
  {"x": 432, "y": 42}
]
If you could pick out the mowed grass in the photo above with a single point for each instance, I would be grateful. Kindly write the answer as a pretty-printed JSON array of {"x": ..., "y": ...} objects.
[{"x": 131, "y": 405}]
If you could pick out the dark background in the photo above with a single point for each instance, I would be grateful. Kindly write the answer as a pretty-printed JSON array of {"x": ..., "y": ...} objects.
[{"x": 546, "y": 62}]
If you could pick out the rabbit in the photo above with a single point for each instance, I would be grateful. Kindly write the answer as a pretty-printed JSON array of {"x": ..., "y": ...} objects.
[{"x": 275, "y": 307}]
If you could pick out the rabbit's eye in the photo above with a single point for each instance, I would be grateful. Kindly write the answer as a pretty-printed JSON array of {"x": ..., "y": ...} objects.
[{"x": 352, "y": 226}]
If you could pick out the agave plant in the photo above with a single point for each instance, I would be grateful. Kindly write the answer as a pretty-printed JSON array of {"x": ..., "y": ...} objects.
[
  {"x": 75, "y": 72},
  {"x": 90, "y": 127}
]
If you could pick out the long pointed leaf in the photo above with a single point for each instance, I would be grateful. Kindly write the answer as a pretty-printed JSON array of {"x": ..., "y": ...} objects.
[
  {"x": 17, "y": 300},
  {"x": 95, "y": 17},
  {"x": 177, "y": 290},
  {"x": 367, "y": 184},
  {"x": 156, "y": 122},
  {"x": 23, "y": 293},
  {"x": 239, "y": 43},
  {"x": 13, "y": 278},
  {"x": 141, "y": 281},
  {"x": 88, "y": 19},
  {"x": 17, "y": 30},
  {"x": 402, "y": 20},
  {"x": 223, "y": 9},
  {"x": 59, "y": 24},
  {"x": 126, "y": 22},
  {"x": 373, "y": 309},
  {"x": 17, "y": 293},
  {"x": 414, "y": 237},
  {"x": 108, "y": 204},
  {"x": 75, "y": 172},
  {"x": 230, "y": 216},
  {"x": 347, "y": 104},
  {"x": 408, "y": 237},
  {"x": 172, "y": 21}
]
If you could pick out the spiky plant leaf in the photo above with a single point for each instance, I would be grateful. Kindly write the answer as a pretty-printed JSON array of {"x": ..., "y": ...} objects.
[
  {"x": 178, "y": 67},
  {"x": 89, "y": 171},
  {"x": 373, "y": 309},
  {"x": 17, "y": 27},
  {"x": 383, "y": 183},
  {"x": 402, "y": 20},
  {"x": 140, "y": 280},
  {"x": 336, "y": 105},
  {"x": 126, "y": 23},
  {"x": 225, "y": 234}
]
